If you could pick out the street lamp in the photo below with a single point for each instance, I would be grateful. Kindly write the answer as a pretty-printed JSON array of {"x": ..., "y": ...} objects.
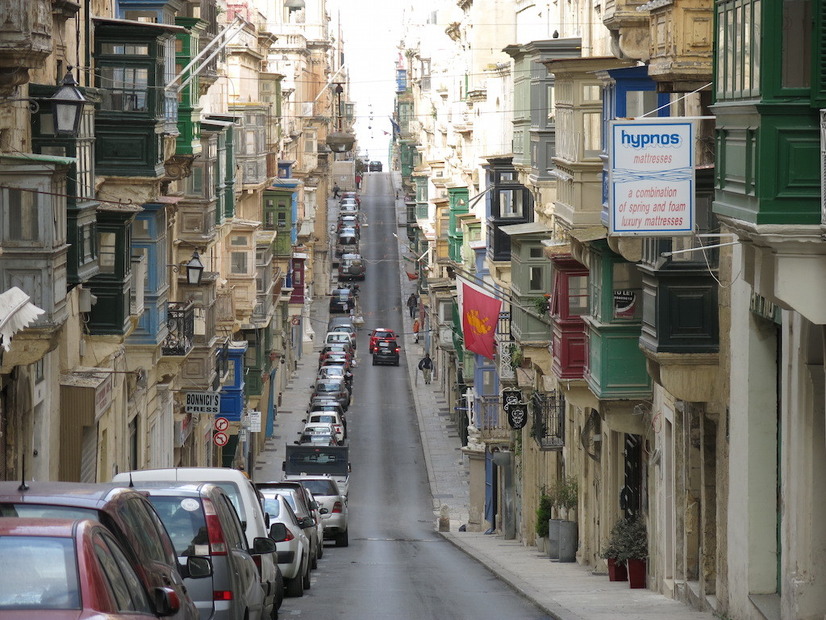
[
  {"x": 339, "y": 141},
  {"x": 67, "y": 104},
  {"x": 194, "y": 269}
]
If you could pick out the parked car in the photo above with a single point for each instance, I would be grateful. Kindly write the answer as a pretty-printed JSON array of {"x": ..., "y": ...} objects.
[
  {"x": 352, "y": 267},
  {"x": 338, "y": 359},
  {"x": 333, "y": 388},
  {"x": 342, "y": 323},
  {"x": 380, "y": 333},
  {"x": 386, "y": 352},
  {"x": 348, "y": 208},
  {"x": 317, "y": 439},
  {"x": 130, "y": 518},
  {"x": 299, "y": 501},
  {"x": 353, "y": 195},
  {"x": 73, "y": 568},
  {"x": 328, "y": 495},
  {"x": 336, "y": 371},
  {"x": 374, "y": 166},
  {"x": 201, "y": 520},
  {"x": 293, "y": 545},
  {"x": 341, "y": 300},
  {"x": 332, "y": 418},
  {"x": 325, "y": 405},
  {"x": 247, "y": 502},
  {"x": 348, "y": 220},
  {"x": 340, "y": 336},
  {"x": 347, "y": 242}
]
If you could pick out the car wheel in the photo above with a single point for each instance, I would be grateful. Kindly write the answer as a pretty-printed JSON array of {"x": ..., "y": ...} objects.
[
  {"x": 306, "y": 579},
  {"x": 320, "y": 549},
  {"x": 295, "y": 586},
  {"x": 314, "y": 559},
  {"x": 374, "y": 362},
  {"x": 397, "y": 362},
  {"x": 343, "y": 539}
]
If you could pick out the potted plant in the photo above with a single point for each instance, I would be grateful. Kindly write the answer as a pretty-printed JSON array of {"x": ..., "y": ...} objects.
[
  {"x": 628, "y": 546},
  {"x": 543, "y": 515},
  {"x": 566, "y": 496}
]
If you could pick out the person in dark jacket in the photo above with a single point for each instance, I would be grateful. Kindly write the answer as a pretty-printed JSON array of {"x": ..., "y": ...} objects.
[{"x": 426, "y": 366}]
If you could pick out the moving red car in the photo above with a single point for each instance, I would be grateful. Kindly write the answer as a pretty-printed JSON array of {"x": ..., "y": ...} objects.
[{"x": 380, "y": 333}]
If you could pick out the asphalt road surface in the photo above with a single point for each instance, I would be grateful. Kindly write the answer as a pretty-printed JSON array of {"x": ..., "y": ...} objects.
[{"x": 396, "y": 566}]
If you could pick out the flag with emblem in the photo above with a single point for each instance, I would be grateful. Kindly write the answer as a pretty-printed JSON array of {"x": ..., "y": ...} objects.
[{"x": 480, "y": 315}]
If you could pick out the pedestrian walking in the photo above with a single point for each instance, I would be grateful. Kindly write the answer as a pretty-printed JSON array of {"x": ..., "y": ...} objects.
[
  {"x": 358, "y": 181},
  {"x": 426, "y": 366},
  {"x": 336, "y": 190},
  {"x": 416, "y": 331},
  {"x": 412, "y": 305}
]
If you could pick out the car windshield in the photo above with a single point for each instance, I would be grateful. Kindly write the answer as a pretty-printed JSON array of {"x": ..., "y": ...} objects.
[
  {"x": 323, "y": 419},
  {"x": 272, "y": 507},
  {"x": 39, "y": 572},
  {"x": 184, "y": 520}
]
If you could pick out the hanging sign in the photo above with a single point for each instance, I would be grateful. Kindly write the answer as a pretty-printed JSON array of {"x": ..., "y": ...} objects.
[
  {"x": 518, "y": 415},
  {"x": 203, "y": 402},
  {"x": 651, "y": 177},
  {"x": 511, "y": 397}
]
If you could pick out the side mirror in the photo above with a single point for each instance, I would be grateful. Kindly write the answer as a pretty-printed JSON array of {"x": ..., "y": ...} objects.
[
  {"x": 323, "y": 511},
  {"x": 197, "y": 567},
  {"x": 304, "y": 420},
  {"x": 278, "y": 532},
  {"x": 306, "y": 522},
  {"x": 298, "y": 443},
  {"x": 166, "y": 601},
  {"x": 262, "y": 545},
  {"x": 349, "y": 468}
]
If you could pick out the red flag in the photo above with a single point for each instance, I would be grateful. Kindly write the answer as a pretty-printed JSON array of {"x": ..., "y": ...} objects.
[{"x": 480, "y": 315}]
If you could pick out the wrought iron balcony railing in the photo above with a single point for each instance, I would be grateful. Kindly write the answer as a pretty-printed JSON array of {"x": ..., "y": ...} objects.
[{"x": 180, "y": 324}]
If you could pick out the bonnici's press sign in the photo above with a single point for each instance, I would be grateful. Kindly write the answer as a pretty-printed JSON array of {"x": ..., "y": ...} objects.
[{"x": 651, "y": 177}]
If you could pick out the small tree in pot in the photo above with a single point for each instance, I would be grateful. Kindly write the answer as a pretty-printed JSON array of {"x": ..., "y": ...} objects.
[
  {"x": 543, "y": 515},
  {"x": 628, "y": 547},
  {"x": 566, "y": 495}
]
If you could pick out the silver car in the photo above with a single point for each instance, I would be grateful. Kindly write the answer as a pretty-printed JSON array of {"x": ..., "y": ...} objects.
[
  {"x": 326, "y": 492},
  {"x": 296, "y": 494},
  {"x": 293, "y": 549},
  {"x": 201, "y": 520}
]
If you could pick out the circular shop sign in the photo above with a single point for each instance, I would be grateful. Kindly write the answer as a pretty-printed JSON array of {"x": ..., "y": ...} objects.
[{"x": 220, "y": 438}]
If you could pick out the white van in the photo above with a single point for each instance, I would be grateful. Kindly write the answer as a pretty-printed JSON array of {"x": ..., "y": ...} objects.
[{"x": 247, "y": 502}]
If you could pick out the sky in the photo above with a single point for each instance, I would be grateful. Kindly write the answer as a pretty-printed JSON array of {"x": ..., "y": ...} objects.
[{"x": 371, "y": 34}]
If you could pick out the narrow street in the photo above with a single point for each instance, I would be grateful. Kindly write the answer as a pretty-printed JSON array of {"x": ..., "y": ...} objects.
[{"x": 396, "y": 565}]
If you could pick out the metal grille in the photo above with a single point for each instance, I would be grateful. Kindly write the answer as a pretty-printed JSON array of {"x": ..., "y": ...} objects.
[
  {"x": 549, "y": 419},
  {"x": 503, "y": 347},
  {"x": 488, "y": 413}
]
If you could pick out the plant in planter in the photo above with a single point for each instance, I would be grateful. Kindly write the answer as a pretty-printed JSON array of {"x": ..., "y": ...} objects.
[
  {"x": 566, "y": 495},
  {"x": 628, "y": 547},
  {"x": 543, "y": 515}
]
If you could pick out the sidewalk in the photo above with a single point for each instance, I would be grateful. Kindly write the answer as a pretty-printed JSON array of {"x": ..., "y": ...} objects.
[{"x": 564, "y": 591}]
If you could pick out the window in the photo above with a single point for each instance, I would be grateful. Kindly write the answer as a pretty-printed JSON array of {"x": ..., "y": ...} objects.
[
  {"x": 238, "y": 240},
  {"x": 577, "y": 295},
  {"x": 282, "y": 219},
  {"x": 87, "y": 252},
  {"x": 627, "y": 291},
  {"x": 238, "y": 262},
  {"x": 536, "y": 279},
  {"x": 551, "y": 103},
  {"x": 738, "y": 48},
  {"x": 108, "y": 252},
  {"x": 639, "y": 102},
  {"x": 797, "y": 43},
  {"x": 138, "y": 600},
  {"x": 592, "y": 134},
  {"x": 125, "y": 89},
  {"x": 124, "y": 49},
  {"x": 22, "y": 215},
  {"x": 510, "y": 203}
]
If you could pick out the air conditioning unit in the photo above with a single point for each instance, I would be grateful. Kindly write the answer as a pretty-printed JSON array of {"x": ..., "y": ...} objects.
[{"x": 86, "y": 300}]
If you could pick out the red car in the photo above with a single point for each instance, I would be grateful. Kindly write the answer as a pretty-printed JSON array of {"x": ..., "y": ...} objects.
[
  {"x": 380, "y": 333},
  {"x": 67, "y": 568}
]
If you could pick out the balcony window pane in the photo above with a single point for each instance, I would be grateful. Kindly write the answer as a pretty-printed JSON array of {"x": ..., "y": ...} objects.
[
  {"x": 577, "y": 295},
  {"x": 796, "y": 51},
  {"x": 536, "y": 279},
  {"x": 125, "y": 88},
  {"x": 592, "y": 134},
  {"x": 22, "y": 215},
  {"x": 627, "y": 291},
  {"x": 239, "y": 262},
  {"x": 106, "y": 243},
  {"x": 510, "y": 202}
]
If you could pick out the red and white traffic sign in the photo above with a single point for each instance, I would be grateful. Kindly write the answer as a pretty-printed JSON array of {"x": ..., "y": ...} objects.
[
  {"x": 220, "y": 438},
  {"x": 221, "y": 424}
]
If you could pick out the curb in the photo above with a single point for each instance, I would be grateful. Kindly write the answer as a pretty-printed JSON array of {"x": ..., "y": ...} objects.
[{"x": 511, "y": 579}]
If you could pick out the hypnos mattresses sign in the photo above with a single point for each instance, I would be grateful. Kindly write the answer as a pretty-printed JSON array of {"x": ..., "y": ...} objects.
[{"x": 651, "y": 177}]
